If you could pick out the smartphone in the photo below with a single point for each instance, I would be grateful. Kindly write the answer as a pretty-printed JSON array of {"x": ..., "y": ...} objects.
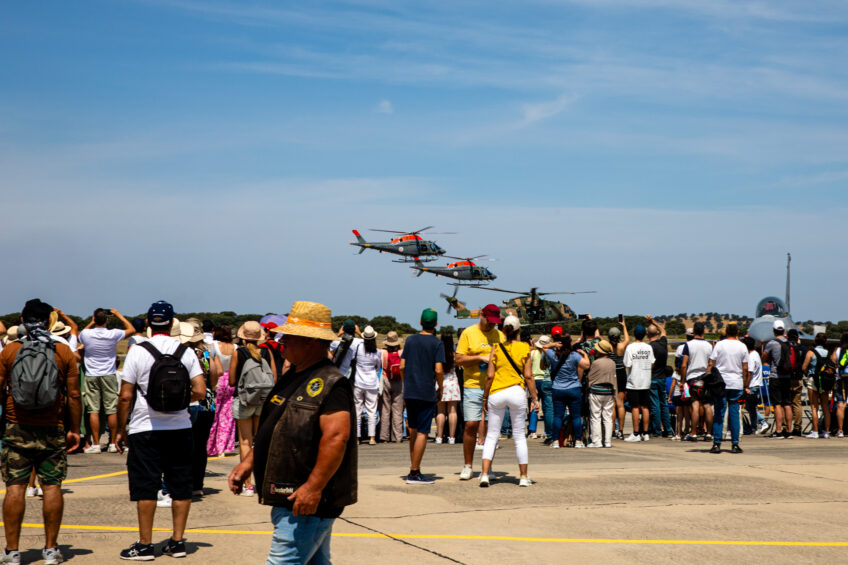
[
  {"x": 621, "y": 317},
  {"x": 107, "y": 311},
  {"x": 583, "y": 317}
]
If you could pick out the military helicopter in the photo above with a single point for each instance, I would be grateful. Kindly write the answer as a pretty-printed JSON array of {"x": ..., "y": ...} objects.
[
  {"x": 463, "y": 270},
  {"x": 409, "y": 245},
  {"x": 530, "y": 309}
]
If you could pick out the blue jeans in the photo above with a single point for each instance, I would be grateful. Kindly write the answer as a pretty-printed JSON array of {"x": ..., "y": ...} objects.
[
  {"x": 659, "y": 407},
  {"x": 732, "y": 397},
  {"x": 751, "y": 404},
  {"x": 299, "y": 540},
  {"x": 543, "y": 391},
  {"x": 506, "y": 427},
  {"x": 571, "y": 398}
]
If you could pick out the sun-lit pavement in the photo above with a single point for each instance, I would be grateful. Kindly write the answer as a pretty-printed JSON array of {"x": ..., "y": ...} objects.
[{"x": 655, "y": 502}]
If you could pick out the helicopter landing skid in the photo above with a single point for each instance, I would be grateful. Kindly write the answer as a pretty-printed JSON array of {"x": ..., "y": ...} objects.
[
  {"x": 420, "y": 260},
  {"x": 470, "y": 284}
]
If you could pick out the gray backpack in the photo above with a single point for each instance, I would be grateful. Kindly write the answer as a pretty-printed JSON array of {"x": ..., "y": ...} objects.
[
  {"x": 35, "y": 376},
  {"x": 256, "y": 380}
]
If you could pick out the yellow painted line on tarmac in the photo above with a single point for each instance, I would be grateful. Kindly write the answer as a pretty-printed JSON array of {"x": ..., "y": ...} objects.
[
  {"x": 479, "y": 538},
  {"x": 115, "y": 474}
]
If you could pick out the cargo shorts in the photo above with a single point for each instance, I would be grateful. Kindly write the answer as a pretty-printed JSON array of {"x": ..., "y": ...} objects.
[
  {"x": 101, "y": 392},
  {"x": 33, "y": 447}
]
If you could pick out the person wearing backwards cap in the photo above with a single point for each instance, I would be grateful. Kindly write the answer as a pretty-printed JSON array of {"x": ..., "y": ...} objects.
[
  {"x": 472, "y": 353},
  {"x": 780, "y": 383},
  {"x": 304, "y": 455},
  {"x": 160, "y": 442},
  {"x": 422, "y": 371}
]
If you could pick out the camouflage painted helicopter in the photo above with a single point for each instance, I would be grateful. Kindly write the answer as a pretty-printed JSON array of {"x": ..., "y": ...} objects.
[
  {"x": 409, "y": 245},
  {"x": 530, "y": 309},
  {"x": 463, "y": 270}
]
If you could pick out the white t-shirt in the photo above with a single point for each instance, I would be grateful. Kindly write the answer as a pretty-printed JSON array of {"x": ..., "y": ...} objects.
[
  {"x": 100, "y": 350},
  {"x": 136, "y": 371},
  {"x": 639, "y": 357},
  {"x": 755, "y": 368},
  {"x": 729, "y": 356},
  {"x": 367, "y": 366},
  {"x": 699, "y": 351},
  {"x": 345, "y": 366},
  {"x": 135, "y": 340}
]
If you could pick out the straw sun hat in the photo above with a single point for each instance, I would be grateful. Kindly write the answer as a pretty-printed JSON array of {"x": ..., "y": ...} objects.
[
  {"x": 392, "y": 339},
  {"x": 308, "y": 319},
  {"x": 251, "y": 331},
  {"x": 60, "y": 329},
  {"x": 189, "y": 333}
]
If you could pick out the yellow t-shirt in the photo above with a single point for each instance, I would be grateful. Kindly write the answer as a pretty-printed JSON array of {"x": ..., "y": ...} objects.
[
  {"x": 505, "y": 374},
  {"x": 474, "y": 342}
]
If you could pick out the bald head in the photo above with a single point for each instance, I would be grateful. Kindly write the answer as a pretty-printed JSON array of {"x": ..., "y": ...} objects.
[{"x": 653, "y": 331}]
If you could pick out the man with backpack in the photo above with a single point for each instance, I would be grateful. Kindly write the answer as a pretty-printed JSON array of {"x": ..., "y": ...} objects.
[
  {"x": 796, "y": 387},
  {"x": 39, "y": 379},
  {"x": 780, "y": 356},
  {"x": 341, "y": 351},
  {"x": 730, "y": 359},
  {"x": 161, "y": 377}
]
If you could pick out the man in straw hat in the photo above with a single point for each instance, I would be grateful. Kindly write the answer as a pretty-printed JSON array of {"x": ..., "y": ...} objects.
[{"x": 304, "y": 453}]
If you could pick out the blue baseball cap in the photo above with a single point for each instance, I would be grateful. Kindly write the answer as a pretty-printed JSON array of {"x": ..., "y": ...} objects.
[
  {"x": 160, "y": 313},
  {"x": 639, "y": 332}
]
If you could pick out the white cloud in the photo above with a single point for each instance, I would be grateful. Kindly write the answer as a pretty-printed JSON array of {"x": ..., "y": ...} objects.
[
  {"x": 385, "y": 107},
  {"x": 540, "y": 111}
]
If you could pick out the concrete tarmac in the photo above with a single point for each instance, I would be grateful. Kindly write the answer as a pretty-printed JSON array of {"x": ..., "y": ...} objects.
[{"x": 657, "y": 502}]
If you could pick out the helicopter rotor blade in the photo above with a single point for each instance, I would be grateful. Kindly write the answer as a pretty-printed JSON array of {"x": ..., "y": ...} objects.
[
  {"x": 390, "y": 231},
  {"x": 468, "y": 258},
  {"x": 574, "y": 292}
]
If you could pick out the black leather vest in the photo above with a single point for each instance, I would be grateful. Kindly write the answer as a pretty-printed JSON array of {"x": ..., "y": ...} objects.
[{"x": 294, "y": 445}]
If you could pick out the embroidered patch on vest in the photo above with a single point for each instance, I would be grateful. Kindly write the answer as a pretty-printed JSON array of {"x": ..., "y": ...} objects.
[
  {"x": 277, "y": 488},
  {"x": 315, "y": 387},
  {"x": 276, "y": 400}
]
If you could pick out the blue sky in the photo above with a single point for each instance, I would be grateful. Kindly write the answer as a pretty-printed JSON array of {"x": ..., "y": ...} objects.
[{"x": 666, "y": 153}]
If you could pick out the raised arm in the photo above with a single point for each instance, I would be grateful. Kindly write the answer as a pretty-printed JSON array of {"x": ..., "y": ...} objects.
[
  {"x": 68, "y": 321},
  {"x": 128, "y": 327}
]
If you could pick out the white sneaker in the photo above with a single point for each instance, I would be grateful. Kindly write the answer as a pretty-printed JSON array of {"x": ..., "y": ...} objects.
[
  {"x": 534, "y": 435},
  {"x": 840, "y": 434},
  {"x": 554, "y": 445},
  {"x": 31, "y": 492},
  {"x": 484, "y": 480},
  {"x": 52, "y": 556},
  {"x": 812, "y": 435},
  {"x": 112, "y": 448},
  {"x": 478, "y": 447},
  {"x": 13, "y": 557},
  {"x": 466, "y": 473},
  {"x": 607, "y": 445},
  {"x": 595, "y": 444},
  {"x": 163, "y": 500},
  {"x": 524, "y": 482},
  {"x": 632, "y": 438},
  {"x": 825, "y": 435},
  {"x": 451, "y": 440},
  {"x": 763, "y": 427},
  {"x": 646, "y": 437},
  {"x": 92, "y": 449},
  {"x": 675, "y": 438},
  {"x": 249, "y": 491},
  {"x": 579, "y": 445},
  {"x": 438, "y": 440}
]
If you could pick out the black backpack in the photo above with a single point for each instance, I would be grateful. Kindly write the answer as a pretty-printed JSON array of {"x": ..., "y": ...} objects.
[
  {"x": 169, "y": 385},
  {"x": 826, "y": 370}
]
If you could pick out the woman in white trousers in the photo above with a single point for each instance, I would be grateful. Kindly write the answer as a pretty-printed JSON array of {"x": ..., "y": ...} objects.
[
  {"x": 510, "y": 372},
  {"x": 367, "y": 360}
]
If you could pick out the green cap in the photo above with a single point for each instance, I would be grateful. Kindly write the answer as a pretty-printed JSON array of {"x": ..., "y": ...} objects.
[
  {"x": 349, "y": 326},
  {"x": 429, "y": 319}
]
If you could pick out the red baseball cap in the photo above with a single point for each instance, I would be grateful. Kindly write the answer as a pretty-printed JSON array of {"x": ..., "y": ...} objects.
[
  {"x": 556, "y": 330},
  {"x": 492, "y": 314},
  {"x": 269, "y": 325}
]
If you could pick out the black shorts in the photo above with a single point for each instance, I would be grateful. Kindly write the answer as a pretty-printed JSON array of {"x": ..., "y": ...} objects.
[
  {"x": 639, "y": 398},
  {"x": 156, "y": 454},
  {"x": 679, "y": 401},
  {"x": 780, "y": 392},
  {"x": 419, "y": 414},
  {"x": 621, "y": 378}
]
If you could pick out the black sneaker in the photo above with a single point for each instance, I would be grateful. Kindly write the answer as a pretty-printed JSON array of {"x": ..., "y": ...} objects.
[
  {"x": 418, "y": 479},
  {"x": 139, "y": 552},
  {"x": 174, "y": 548},
  {"x": 716, "y": 448},
  {"x": 775, "y": 435},
  {"x": 735, "y": 448},
  {"x": 787, "y": 435}
]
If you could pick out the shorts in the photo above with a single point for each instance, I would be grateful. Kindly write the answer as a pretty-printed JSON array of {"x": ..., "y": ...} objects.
[
  {"x": 157, "y": 453},
  {"x": 839, "y": 391},
  {"x": 621, "y": 378},
  {"x": 780, "y": 392},
  {"x": 472, "y": 404},
  {"x": 241, "y": 412},
  {"x": 101, "y": 392},
  {"x": 680, "y": 401},
  {"x": 33, "y": 447},
  {"x": 639, "y": 398},
  {"x": 450, "y": 389},
  {"x": 419, "y": 414},
  {"x": 699, "y": 391}
]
